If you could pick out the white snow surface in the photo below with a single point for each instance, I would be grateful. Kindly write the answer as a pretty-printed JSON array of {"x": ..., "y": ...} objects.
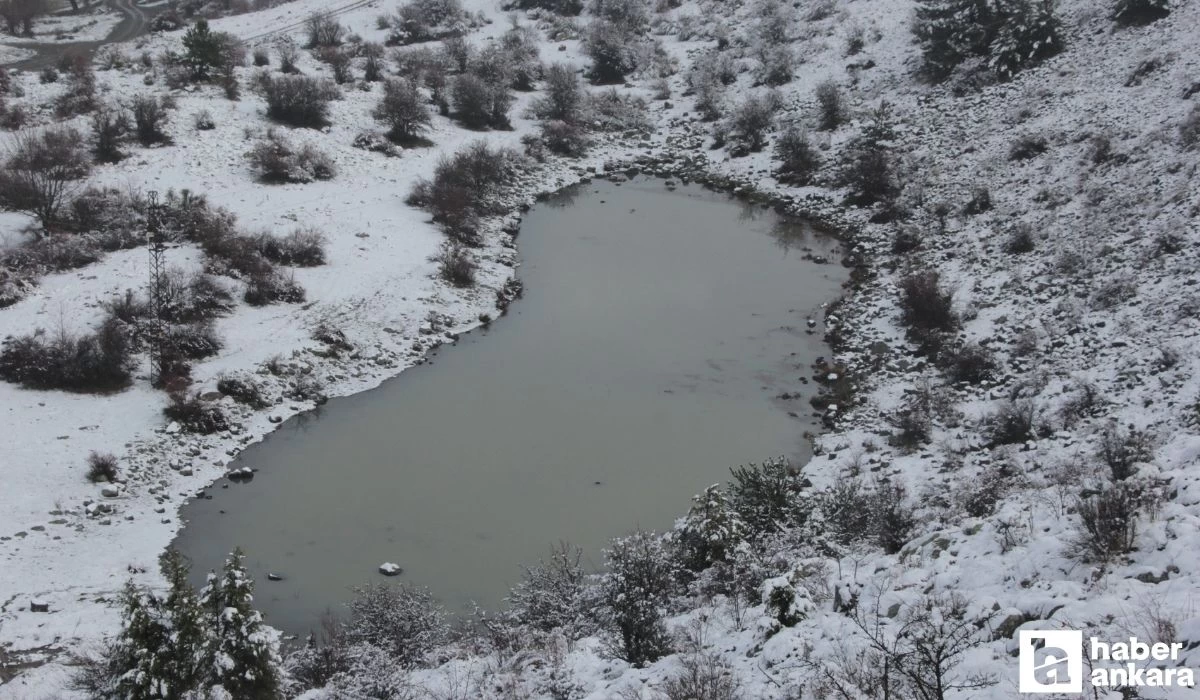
[{"x": 1108, "y": 215}]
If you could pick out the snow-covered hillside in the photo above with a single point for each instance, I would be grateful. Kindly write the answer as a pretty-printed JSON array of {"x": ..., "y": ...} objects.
[{"x": 1070, "y": 372}]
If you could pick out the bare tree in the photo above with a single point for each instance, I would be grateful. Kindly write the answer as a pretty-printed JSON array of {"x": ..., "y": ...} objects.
[
  {"x": 42, "y": 172},
  {"x": 18, "y": 15}
]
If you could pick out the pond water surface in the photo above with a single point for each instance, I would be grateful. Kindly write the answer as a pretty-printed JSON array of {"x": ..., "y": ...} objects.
[{"x": 657, "y": 333}]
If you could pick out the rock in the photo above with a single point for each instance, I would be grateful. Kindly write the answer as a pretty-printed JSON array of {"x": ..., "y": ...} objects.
[
  {"x": 186, "y": 471},
  {"x": 390, "y": 569},
  {"x": 274, "y": 577},
  {"x": 39, "y": 606},
  {"x": 173, "y": 428},
  {"x": 110, "y": 492}
]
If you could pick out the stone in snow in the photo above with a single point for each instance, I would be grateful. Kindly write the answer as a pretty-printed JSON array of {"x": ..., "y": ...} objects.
[
  {"x": 811, "y": 323},
  {"x": 274, "y": 577},
  {"x": 389, "y": 569},
  {"x": 39, "y": 606},
  {"x": 110, "y": 492},
  {"x": 173, "y": 428}
]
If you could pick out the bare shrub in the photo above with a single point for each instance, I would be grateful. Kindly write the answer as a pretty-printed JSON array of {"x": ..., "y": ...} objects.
[
  {"x": 339, "y": 62},
  {"x": 456, "y": 266},
  {"x": 298, "y": 100},
  {"x": 427, "y": 20},
  {"x": 1107, "y": 523},
  {"x": 42, "y": 172},
  {"x": 913, "y": 422},
  {"x": 102, "y": 467},
  {"x": 277, "y": 160},
  {"x": 565, "y": 138},
  {"x": 323, "y": 30},
  {"x": 289, "y": 56},
  {"x": 1020, "y": 240},
  {"x": 373, "y": 62},
  {"x": 261, "y": 57},
  {"x": 272, "y": 287},
  {"x": 203, "y": 120},
  {"x": 613, "y": 50},
  {"x": 244, "y": 390}
]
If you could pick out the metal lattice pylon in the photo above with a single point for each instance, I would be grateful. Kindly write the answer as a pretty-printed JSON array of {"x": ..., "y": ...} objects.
[{"x": 156, "y": 244}]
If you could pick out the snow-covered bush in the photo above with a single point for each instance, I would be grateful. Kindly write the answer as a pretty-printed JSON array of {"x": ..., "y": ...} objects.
[
  {"x": 566, "y": 8},
  {"x": 703, "y": 675},
  {"x": 552, "y": 595},
  {"x": 613, "y": 49},
  {"x": 193, "y": 341},
  {"x": 711, "y": 530},
  {"x": 195, "y": 415},
  {"x": 479, "y": 103},
  {"x": 277, "y": 160},
  {"x": 1139, "y": 12},
  {"x": 868, "y": 168},
  {"x": 110, "y": 128},
  {"x": 746, "y": 129},
  {"x": 768, "y": 497},
  {"x": 271, "y": 287},
  {"x": 913, "y": 423},
  {"x": 830, "y": 113},
  {"x": 298, "y": 100},
  {"x": 1122, "y": 450},
  {"x": 338, "y": 61},
  {"x": 968, "y": 363},
  {"x": 243, "y": 389},
  {"x": 150, "y": 117},
  {"x": 303, "y": 247},
  {"x": 95, "y": 362},
  {"x": 563, "y": 96},
  {"x": 372, "y": 62},
  {"x": 403, "y": 109},
  {"x": 289, "y": 56},
  {"x": 261, "y": 57},
  {"x": 798, "y": 158},
  {"x": 564, "y": 138},
  {"x": 470, "y": 184},
  {"x": 79, "y": 94},
  {"x": 776, "y": 64},
  {"x": 1012, "y": 423},
  {"x": 638, "y": 584},
  {"x": 427, "y": 20},
  {"x": 1028, "y": 146},
  {"x": 405, "y": 622},
  {"x": 633, "y": 14},
  {"x": 927, "y": 309}
]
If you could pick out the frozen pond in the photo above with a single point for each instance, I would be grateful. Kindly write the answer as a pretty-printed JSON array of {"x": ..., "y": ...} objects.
[{"x": 657, "y": 332}]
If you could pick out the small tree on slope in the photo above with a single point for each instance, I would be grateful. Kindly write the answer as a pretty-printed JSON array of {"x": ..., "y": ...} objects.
[
  {"x": 243, "y": 657},
  {"x": 1138, "y": 12}
]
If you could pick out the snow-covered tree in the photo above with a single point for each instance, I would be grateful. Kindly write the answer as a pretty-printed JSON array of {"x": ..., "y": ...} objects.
[
  {"x": 550, "y": 595},
  {"x": 1028, "y": 33},
  {"x": 141, "y": 652},
  {"x": 243, "y": 658},
  {"x": 768, "y": 497},
  {"x": 635, "y": 590},
  {"x": 403, "y": 621},
  {"x": 1012, "y": 34},
  {"x": 710, "y": 531},
  {"x": 188, "y": 630}
]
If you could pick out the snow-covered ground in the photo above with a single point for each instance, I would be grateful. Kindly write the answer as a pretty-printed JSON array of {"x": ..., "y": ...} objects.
[
  {"x": 12, "y": 54},
  {"x": 94, "y": 24},
  {"x": 1104, "y": 305}
]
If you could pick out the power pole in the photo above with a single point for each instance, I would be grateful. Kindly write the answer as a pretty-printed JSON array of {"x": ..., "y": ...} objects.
[{"x": 156, "y": 244}]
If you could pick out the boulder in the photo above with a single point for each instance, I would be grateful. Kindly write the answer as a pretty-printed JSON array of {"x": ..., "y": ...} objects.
[{"x": 389, "y": 569}]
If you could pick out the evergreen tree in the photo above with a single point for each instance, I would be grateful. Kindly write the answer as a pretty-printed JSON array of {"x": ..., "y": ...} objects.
[
  {"x": 950, "y": 31},
  {"x": 710, "y": 531},
  {"x": 138, "y": 655},
  {"x": 1028, "y": 33},
  {"x": 204, "y": 49},
  {"x": 188, "y": 638},
  {"x": 243, "y": 659},
  {"x": 1139, "y": 12}
]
